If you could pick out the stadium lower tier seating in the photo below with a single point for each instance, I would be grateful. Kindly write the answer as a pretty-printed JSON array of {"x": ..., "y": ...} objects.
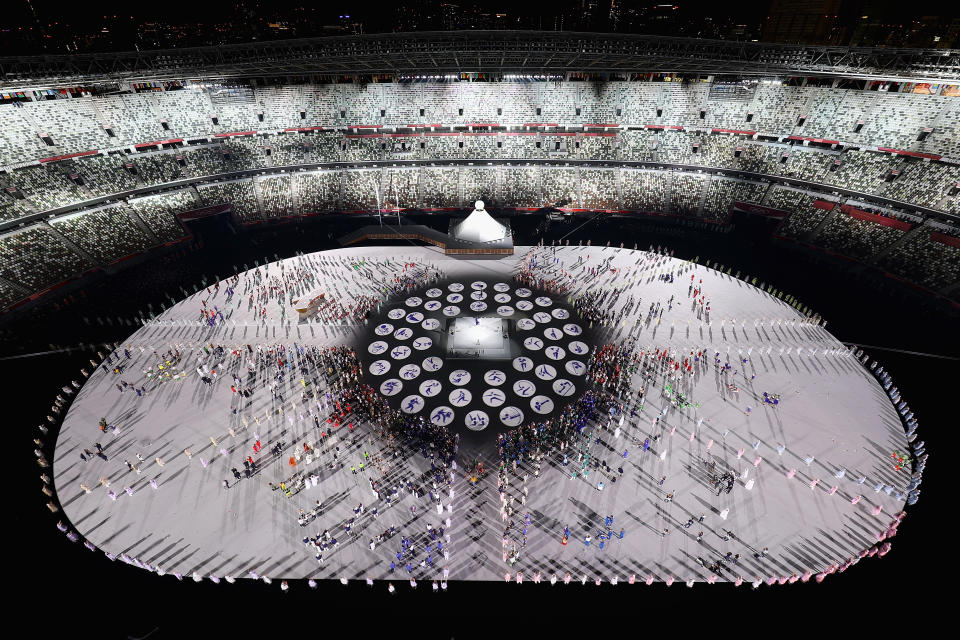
[
  {"x": 39, "y": 188},
  {"x": 44, "y": 252}
]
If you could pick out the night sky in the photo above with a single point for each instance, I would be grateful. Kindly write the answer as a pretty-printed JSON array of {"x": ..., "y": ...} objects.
[{"x": 19, "y": 12}]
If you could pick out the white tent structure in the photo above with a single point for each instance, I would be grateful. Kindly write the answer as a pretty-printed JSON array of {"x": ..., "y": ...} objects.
[{"x": 480, "y": 227}]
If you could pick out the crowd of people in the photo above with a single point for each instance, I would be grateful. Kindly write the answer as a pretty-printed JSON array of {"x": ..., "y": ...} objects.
[
  {"x": 665, "y": 369},
  {"x": 37, "y": 188},
  {"x": 326, "y": 395},
  {"x": 103, "y": 235}
]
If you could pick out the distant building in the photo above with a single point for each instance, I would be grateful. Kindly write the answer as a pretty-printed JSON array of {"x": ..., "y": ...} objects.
[
  {"x": 880, "y": 26},
  {"x": 807, "y": 22}
]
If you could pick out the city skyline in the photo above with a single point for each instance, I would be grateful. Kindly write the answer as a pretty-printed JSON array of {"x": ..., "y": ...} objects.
[{"x": 41, "y": 26}]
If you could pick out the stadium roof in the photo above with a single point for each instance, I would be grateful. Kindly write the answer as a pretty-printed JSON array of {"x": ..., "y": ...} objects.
[{"x": 495, "y": 52}]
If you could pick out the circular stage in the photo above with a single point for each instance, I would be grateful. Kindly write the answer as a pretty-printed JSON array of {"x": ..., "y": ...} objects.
[
  {"x": 480, "y": 356},
  {"x": 716, "y": 433}
]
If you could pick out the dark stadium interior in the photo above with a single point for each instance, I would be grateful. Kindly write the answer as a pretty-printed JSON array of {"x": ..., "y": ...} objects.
[{"x": 757, "y": 137}]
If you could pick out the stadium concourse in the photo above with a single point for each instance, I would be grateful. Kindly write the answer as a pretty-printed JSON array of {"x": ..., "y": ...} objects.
[{"x": 716, "y": 433}]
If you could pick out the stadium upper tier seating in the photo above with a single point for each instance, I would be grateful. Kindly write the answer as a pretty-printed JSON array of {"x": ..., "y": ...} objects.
[
  {"x": 92, "y": 179},
  {"x": 73, "y": 125}
]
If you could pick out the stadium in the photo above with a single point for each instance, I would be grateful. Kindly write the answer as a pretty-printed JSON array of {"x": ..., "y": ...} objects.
[
  {"x": 862, "y": 171},
  {"x": 301, "y": 362}
]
